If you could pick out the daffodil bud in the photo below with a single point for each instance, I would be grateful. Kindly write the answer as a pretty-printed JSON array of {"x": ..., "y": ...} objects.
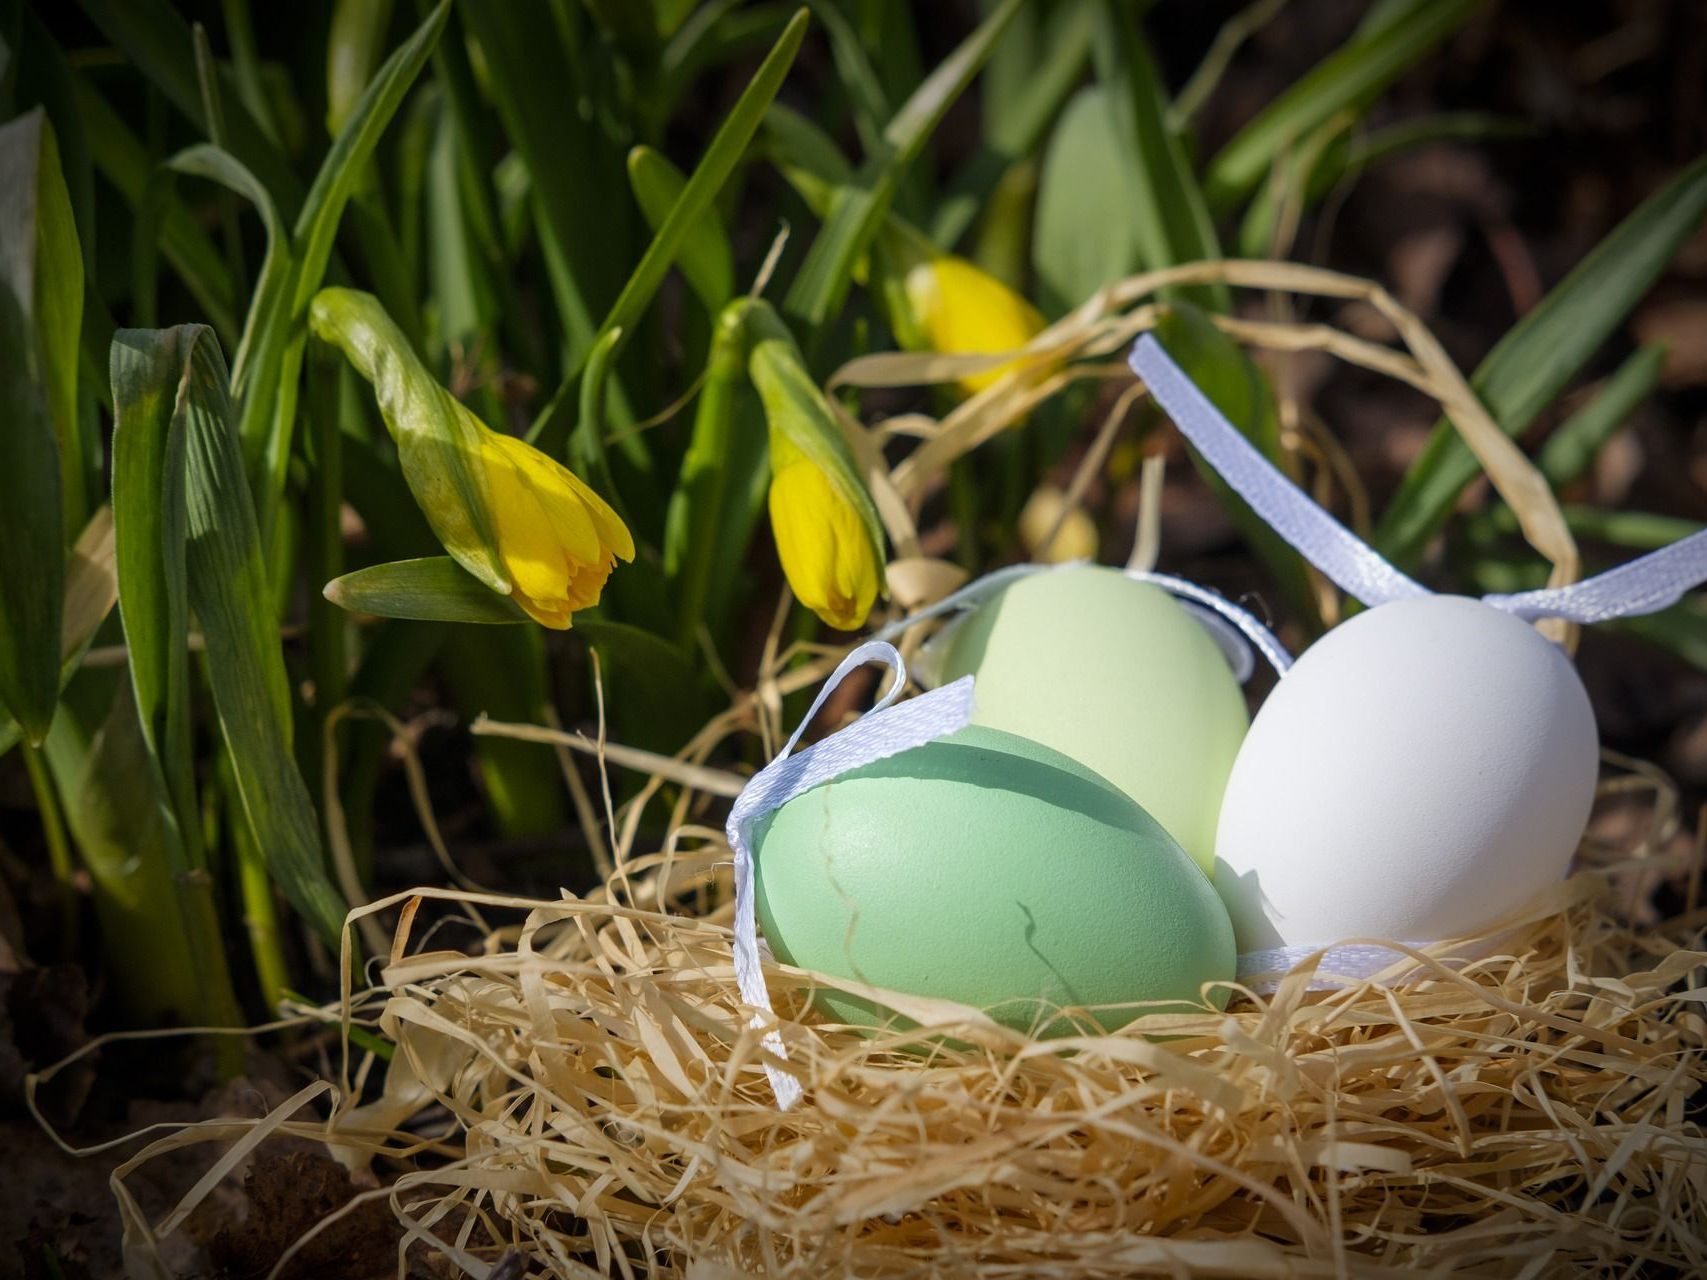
[
  {"x": 941, "y": 302},
  {"x": 517, "y": 520},
  {"x": 827, "y": 532}
]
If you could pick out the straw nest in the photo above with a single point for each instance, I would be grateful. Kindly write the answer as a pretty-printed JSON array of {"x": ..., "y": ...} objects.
[{"x": 598, "y": 1101}]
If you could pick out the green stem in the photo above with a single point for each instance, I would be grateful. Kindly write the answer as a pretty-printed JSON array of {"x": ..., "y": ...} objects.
[
  {"x": 696, "y": 510},
  {"x": 58, "y": 844},
  {"x": 261, "y": 920}
]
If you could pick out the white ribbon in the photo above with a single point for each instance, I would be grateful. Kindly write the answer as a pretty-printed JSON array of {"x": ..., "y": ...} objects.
[
  {"x": 882, "y": 732},
  {"x": 1645, "y": 585},
  {"x": 1235, "y": 630}
]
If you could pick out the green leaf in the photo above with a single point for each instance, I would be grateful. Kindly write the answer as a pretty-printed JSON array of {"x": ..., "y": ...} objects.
[
  {"x": 269, "y": 402},
  {"x": 713, "y": 472},
  {"x": 1540, "y": 355},
  {"x": 1237, "y": 387},
  {"x": 433, "y": 588},
  {"x": 273, "y": 284},
  {"x": 41, "y": 483},
  {"x": 1572, "y": 446},
  {"x": 857, "y": 211},
  {"x": 1363, "y": 66},
  {"x": 1018, "y": 120},
  {"x": 352, "y": 50},
  {"x": 713, "y": 170},
  {"x": 158, "y": 41},
  {"x": 187, "y": 542},
  {"x": 1169, "y": 216},
  {"x": 705, "y": 257},
  {"x": 1076, "y": 246}
]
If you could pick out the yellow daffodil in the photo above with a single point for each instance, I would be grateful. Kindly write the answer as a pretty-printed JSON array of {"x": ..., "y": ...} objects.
[
  {"x": 949, "y": 305},
  {"x": 827, "y": 533},
  {"x": 514, "y": 518},
  {"x": 822, "y": 541},
  {"x": 965, "y": 311},
  {"x": 558, "y": 539}
]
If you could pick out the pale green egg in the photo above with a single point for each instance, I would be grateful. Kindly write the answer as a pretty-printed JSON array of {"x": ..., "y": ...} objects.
[
  {"x": 993, "y": 871},
  {"x": 1116, "y": 674}
]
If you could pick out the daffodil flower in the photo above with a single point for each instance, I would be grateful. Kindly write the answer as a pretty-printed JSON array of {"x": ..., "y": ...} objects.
[
  {"x": 826, "y": 528},
  {"x": 557, "y": 539},
  {"x": 949, "y": 305},
  {"x": 825, "y": 550},
  {"x": 516, "y": 519}
]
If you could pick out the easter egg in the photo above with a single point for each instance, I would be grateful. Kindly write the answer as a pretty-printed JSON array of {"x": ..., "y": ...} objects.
[
  {"x": 1424, "y": 768},
  {"x": 1116, "y": 674},
  {"x": 989, "y": 870}
]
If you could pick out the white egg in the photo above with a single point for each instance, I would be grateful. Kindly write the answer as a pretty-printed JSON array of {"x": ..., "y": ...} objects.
[{"x": 1424, "y": 768}]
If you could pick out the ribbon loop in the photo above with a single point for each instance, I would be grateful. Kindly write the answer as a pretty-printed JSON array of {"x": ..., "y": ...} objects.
[
  {"x": 1317, "y": 536},
  {"x": 882, "y": 732}
]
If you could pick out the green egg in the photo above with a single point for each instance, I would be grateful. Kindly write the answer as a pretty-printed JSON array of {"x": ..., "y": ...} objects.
[
  {"x": 993, "y": 871},
  {"x": 1116, "y": 674}
]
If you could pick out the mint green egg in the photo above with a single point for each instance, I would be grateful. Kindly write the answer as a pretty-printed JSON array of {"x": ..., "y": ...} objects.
[
  {"x": 1117, "y": 675},
  {"x": 993, "y": 871}
]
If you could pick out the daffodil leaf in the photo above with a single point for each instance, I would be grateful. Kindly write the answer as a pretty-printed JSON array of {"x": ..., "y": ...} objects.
[
  {"x": 704, "y": 257},
  {"x": 433, "y": 589},
  {"x": 187, "y": 542},
  {"x": 1077, "y": 247},
  {"x": 1370, "y": 60},
  {"x": 719, "y": 161},
  {"x": 857, "y": 210},
  {"x": 1169, "y": 217},
  {"x": 41, "y": 304}
]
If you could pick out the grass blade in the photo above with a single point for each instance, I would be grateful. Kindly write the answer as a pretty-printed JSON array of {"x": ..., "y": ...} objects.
[
  {"x": 1363, "y": 66},
  {"x": 552, "y": 427},
  {"x": 705, "y": 257},
  {"x": 857, "y": 211},
  {"x": 1533, "y": 363},
  {"x": 41, "y": 479}
]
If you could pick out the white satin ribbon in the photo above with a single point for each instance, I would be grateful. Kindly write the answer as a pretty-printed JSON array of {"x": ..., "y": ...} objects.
[
  {"x": 882, "y": 732},
  {"x": 1235, "y": 630},
  {"x": 1645, "y": 585}
]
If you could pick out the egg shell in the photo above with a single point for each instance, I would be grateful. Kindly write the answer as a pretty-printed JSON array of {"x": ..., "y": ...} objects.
[
  {"x": 1424, "y": 768},
  {"x": 990, "y": 870},
  {"x": 1116, "y": 674}
]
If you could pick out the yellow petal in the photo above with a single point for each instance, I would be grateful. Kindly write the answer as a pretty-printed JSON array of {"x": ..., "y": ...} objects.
[
  {"x": 556, "y": 537},
  {"x": 823, "y": 544},
  {"x": 963, "y": 310}
]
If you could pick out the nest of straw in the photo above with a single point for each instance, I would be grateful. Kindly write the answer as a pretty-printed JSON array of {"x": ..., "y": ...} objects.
[{"x": 597, "y": 1100}]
